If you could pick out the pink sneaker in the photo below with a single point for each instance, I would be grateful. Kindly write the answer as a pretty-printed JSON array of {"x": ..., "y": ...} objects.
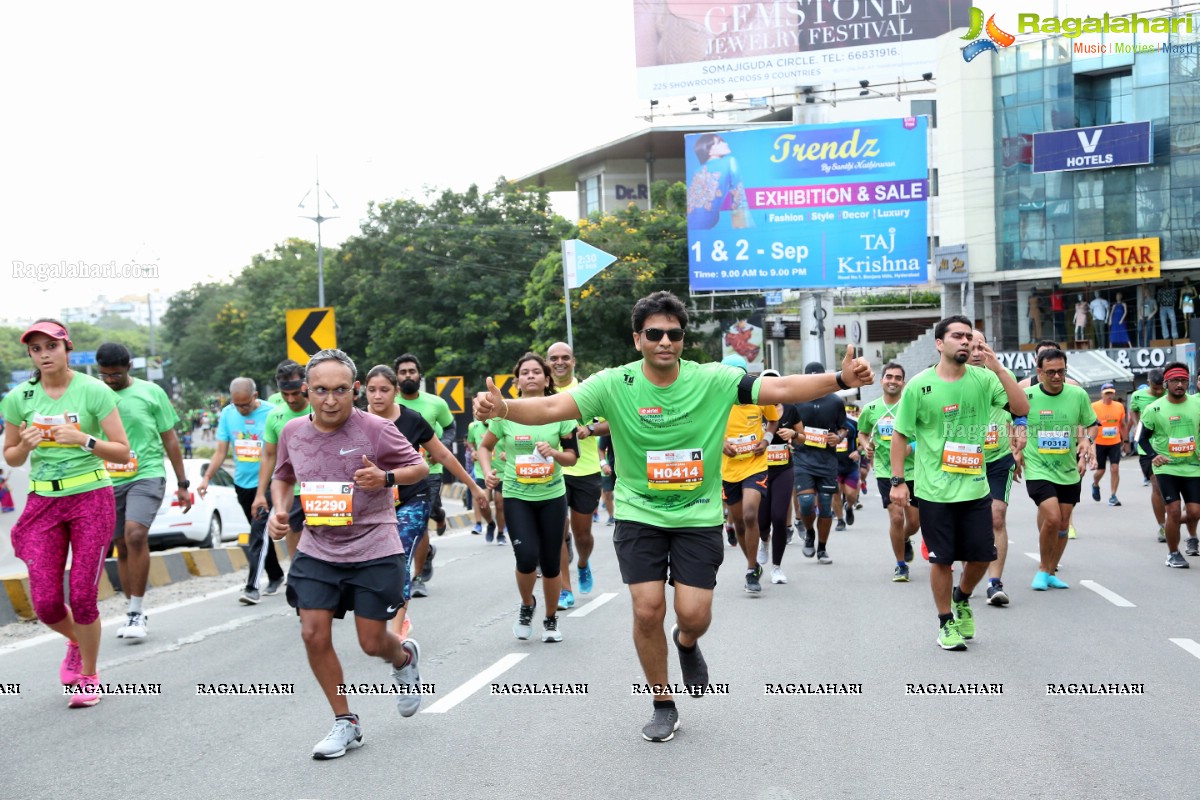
[
  {"x": 87, "y": 693},
  {"x": 69, "y": 671},
  {"x": 405, "y": 628}
]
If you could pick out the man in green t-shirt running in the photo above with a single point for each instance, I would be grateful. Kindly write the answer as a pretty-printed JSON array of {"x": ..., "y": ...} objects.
[
  {"x": 1058, "y": 449},
  {"x": 875, "y": 427},
  {"x": 1139, "y": 401},
  {"x": 1169, "y": 429},
  {"x": 140, "y": 483},
  {"x": 947, "y": 409},
  {"x": 661, "y": 411}
]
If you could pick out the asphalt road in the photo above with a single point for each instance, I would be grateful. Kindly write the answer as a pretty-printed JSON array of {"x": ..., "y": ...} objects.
[{"x": 845, "y": 623}]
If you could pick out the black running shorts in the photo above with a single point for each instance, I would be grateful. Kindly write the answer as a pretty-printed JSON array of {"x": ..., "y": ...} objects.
[
  {"x": 1041, "y": 491},
  {"x": 371, "y": 589},
  {"x": 690, "y": 556},
  {"x": 958, "y": 531}
]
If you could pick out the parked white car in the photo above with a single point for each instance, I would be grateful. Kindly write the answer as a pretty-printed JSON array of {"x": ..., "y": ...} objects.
[{"x": 213, "y": 519}]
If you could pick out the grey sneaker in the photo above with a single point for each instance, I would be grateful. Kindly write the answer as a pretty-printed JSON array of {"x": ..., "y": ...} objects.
[
  {"x": 810, "y": 544},
  {"x": 823, "y": 556},
  {"x": 1193, "y": 546},
  {"x": 662, "y": 726},
  {"x": 693, "y": 666},
  {"x": 418, "y": 588},
  {"x": 1162, "y": 534},
  {"x": 249, "y": 597},
  {"x": 273, "y": 586},
  {"x": 427, "y": 571},
  {"x": 1178, "y": 561},
  {"x": 134, "y": 627},
  {"x": 753, "y": 586},
  {"x": 346, "y": 735},
  {"x": 523, "y": 627},
  {"x": 408, "y": 678},
  {"x": 550, "y": 631}
]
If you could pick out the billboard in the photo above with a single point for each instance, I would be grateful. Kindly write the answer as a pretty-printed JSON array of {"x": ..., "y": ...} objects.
[
  {"x": 1117, "y": 260},
  {"x": 688, "y": 47},
  {"x": 809, "y": 206},
  {"x": 1099, "y": 147}
]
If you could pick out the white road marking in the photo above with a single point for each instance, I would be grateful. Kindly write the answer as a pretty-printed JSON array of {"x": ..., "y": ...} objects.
[
  {"x": 583, "y": 611},
  {"x": 1189, "y": 645},
  {"x": 1035, "y": 556},
  {"x": 1107, "y": 594},
  {"x": 474, "y": 684}
]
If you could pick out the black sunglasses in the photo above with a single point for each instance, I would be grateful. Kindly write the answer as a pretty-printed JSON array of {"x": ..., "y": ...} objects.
[{"x": 656, "y": 334}]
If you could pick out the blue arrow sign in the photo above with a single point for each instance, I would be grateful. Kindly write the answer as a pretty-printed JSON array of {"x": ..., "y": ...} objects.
[
  {"x": 82, "y": 358},
  {"x": 582, "y": 262}
]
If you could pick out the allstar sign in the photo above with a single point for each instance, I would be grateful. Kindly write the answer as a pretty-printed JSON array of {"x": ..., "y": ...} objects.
[{"x": 1103, "y": 261}]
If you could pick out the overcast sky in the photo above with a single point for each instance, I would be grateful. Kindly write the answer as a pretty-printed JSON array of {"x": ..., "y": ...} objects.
[{"x": 187, "y": 134}]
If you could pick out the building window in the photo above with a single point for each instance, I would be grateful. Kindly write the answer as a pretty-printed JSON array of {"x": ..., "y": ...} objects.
[{"x": 591, "y": 196}]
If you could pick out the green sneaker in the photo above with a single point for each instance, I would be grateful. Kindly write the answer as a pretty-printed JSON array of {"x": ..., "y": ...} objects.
[
  {"x": 964, "y": 618},
  {"x": 949, "y": 638}
]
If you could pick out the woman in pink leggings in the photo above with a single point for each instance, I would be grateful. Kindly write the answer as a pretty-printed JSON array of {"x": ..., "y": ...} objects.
[{"x": 57, "y": 416}]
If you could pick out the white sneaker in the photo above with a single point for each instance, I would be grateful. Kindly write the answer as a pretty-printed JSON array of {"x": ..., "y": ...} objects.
[
  {"x": 134, "y": 627},
  {"x": 346, "y": 735},
  {"x": 762, "y": 553},
  {"x": 408, "y": 679},
  {"x": 777, "y": 575}
]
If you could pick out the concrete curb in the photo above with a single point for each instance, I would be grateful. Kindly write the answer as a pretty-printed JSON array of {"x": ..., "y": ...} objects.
[{"x": 176, "y": 566}]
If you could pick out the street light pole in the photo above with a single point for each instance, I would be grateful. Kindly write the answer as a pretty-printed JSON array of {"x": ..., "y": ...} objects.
[{"x": 320, "y": 249}]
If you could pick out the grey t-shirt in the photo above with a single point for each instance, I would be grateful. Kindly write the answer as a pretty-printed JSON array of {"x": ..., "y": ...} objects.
[{"x": 307, "y": 455}]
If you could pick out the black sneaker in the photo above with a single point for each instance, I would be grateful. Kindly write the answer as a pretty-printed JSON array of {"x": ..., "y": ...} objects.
[
  {"x": 810, "y": 544},
  {"x": 823, "y": 557},
  {"x": 996, "y": 595},
  {"x": 1178, "y": 561},
  {"x": 692, "y": 665},
  {"x": 273, "y": 586},
  {"x": 662, "y": 726},
  {"x": 752, "y": 584},
  {"x": 841, "y": 525},
  {"x": 731, "y": 535},
  {"x": 427, "y": 571},
  {"x": 849, "y": 514},
  {"x": 441, "y": 529},
  {"x": 490, "y": 536},
  {"x": 1193, "y": 546},
  {"x": 908, "y": 551}
]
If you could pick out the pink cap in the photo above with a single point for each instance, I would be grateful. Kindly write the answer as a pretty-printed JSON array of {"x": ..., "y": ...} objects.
[{"x": 51, "y": 329}]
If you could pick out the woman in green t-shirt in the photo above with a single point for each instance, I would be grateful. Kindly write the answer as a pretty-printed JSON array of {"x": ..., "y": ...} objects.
[
  {"x": 58, "y": 417},
  {"x": 535, "y": 495}
]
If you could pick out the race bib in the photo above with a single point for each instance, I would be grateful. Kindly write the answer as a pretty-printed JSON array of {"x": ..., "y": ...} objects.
[
  {"x": 45, "y": 424},
  {"x": 126, "y": 470},
  {"x": 1181, "y": 446},
  {"x": 778, "y": 454},
  {"x": 1054, "y": 443},
  {"x": 966, "y": 459},
  {"x": 533, "y": 468},
  {"x": 674, "y": 470},
  {"x": 248, "y": 450},
  {"x": 743, "y": 445},
  {"x": 991, "y": 440},
  {"x": 885, "y": 427},
  {"x": 327, "y": 502},
  {"x": 843, "y": 446},
  {"x": 815, "y": 437},
  {"x": 1108, "y": 433}
]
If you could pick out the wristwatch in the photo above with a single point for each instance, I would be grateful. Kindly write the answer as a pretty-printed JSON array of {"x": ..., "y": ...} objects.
[
  {"x": 896, "y": 480},
  {"x": 184, "y": 484},
  {"x": 90, "y": 444},
  {"x": 591, "y": 427},
  {"x": 389, "y": 479}
]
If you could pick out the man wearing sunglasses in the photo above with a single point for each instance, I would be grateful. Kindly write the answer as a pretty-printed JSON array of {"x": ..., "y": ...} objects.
[
  {"x": 665, "y": 415},
  {"x": 1169, "y": 428},
  {"x": 1057, "y": 452}
]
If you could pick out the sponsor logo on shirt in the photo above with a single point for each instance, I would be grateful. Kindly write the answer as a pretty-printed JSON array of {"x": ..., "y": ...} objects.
[
  {"x": 950, "y": 409},
  {"x": 646, "y": 412},
  {"x": 522, "y": 438},
  {"x": 1046, "y": 412},
  {"x": 1175, "y": 419}
]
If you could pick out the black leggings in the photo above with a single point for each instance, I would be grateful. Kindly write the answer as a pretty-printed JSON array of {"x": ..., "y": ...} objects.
[
  {"x": 535, "y": 528},
  {"x": 773, "y": 511}
]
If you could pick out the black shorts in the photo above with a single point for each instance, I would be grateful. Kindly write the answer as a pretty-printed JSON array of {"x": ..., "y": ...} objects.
[
  {"x": 371, "y": 589},
  {"x": 1147, "y": 465},
  {"x": 823, "y": 483},
  {"x": 690, "y": 556},
  {"x": 732, "y": 493},
  {"x": 958, "y": 531},
  {"x": 1174, "y": 488},
  {"x": 608, "y": 483},
  {"x": 1041, "y": 491},
  {"x": 1000, "y": 477},
  {"x": 583, "y": 492},
  {"x": 885, "y": 492},
  {"x": 1108, "y": 454}
]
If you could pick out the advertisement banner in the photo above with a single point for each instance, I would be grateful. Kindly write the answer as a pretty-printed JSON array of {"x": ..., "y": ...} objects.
[
  {"x": 686, "y": 47},
  {"x": 1098, "y": 147},
  {"x": 1120, "y": 260},
  {"x": 950, "y": 264},
  {"x": 809, "y": 206}
]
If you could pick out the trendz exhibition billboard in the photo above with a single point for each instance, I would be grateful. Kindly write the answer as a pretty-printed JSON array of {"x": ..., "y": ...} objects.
[{"x": 808, "y": 206}]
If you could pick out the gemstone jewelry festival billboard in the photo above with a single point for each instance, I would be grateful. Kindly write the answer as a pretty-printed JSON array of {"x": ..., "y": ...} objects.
[{"x": 808, "y": 206}]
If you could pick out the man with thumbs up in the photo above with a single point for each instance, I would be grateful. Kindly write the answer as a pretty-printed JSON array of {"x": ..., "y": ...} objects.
[
  {"x": 350, "y": 557},
  {"x": 665, "y": 415}
]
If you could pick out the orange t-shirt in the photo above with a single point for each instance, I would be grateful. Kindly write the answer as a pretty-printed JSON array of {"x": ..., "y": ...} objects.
[{"x": 1109, "y": 415}]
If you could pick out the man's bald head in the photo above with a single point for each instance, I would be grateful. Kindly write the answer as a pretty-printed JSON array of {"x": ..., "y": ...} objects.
[{"x": 561, "y": 358}]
